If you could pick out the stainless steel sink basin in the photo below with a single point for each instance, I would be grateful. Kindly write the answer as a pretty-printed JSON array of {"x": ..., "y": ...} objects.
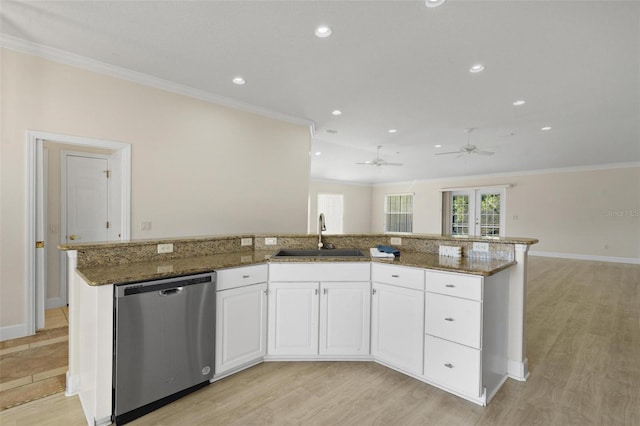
[{"x": 319, "y": 253}]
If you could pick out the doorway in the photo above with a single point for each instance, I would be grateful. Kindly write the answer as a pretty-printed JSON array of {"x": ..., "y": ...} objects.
[{"x": 37, "y": 231}]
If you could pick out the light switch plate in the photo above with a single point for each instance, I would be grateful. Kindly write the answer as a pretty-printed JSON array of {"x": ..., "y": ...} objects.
[
  {"x": 481, "y": 247},
  {"x": 396, "y": 241},
  {"x": 246, "y": 241},
  {"x": 270, "y": 241},
  {"x": 165, "y": 248}
]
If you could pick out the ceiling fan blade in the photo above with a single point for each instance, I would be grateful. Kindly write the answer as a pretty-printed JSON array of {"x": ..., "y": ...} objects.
[
  {"x": 391, "y": 164},
  {"x": 484, "y": 152},
  {"x": 367, "y": 163},
  {"x": 446, "y": 153}
]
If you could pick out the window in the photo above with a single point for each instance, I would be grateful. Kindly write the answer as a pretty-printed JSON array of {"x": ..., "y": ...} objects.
[
  {"x": 474, "y": 212},
  {"x": 398, "y": 213},
  {"x": 331, "y": 205}
]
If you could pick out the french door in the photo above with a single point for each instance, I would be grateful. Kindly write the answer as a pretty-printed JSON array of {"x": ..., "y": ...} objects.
[{"x": 477, "y": 212}]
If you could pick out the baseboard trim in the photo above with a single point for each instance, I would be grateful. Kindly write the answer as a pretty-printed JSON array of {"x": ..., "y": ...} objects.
[
  {"x": 611, "y": 259},
  {"x": 518, "y": 370},
  {"x": 54, "y": 302},
  {"x": 13, "y": 332},
  {"x": 73, "y": 385}
]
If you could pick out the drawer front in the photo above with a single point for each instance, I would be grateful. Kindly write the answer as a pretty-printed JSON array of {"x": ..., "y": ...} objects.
[
  {"x": 325, "y": 271},
  {"x": 451, "y": 318},
  {"x": 454, "y": 366},
  {"x": 452, "y": 284},
  {"x": 403, "y": 276},
  {"x": 238, "y": 277}
]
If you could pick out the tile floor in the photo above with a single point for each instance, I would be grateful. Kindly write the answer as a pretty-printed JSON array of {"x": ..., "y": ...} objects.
[{"x": 35, "y": 366}]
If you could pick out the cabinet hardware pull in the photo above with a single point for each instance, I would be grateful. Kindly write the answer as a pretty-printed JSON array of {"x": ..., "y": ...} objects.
[
  {"x": 266, "y": 292},
  {"x": 449, "y": 285},
  {"x": 395, "y": 276},
  {"x": 448, "y": 319},
  {"x": 325, "y": 291},
  {"x": 316, "y": 291},
  {"x": 246, "y": 276},
  {"x": 448, "y": 365},
  {"x": 374, "y": 291}
]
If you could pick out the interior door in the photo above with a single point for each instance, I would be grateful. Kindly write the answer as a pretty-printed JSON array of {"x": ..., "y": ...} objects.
[{"x": 87, "y": 198}]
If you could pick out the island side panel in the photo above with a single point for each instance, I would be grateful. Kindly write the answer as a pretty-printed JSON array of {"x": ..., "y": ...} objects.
[
  {"x": 518, "y": 367},
  {"x": 91, "y": 347}
]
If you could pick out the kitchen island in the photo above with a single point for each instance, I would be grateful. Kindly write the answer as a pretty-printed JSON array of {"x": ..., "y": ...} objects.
[{"x": 501, "y": 279}]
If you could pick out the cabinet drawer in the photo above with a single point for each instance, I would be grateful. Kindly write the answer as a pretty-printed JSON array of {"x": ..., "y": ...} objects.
[
  {"x": 326, "y": 271},
  {"x": 451, "y": 318},
  {"x": 452, "y": 284},
  {"x": 399, "y": 275},
  {"x": 451, "y": 365},
  {"x": 238, "y": 277}
]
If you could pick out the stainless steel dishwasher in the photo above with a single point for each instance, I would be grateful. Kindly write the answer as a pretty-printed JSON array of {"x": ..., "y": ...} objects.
[{"x": 164, "y": 340}]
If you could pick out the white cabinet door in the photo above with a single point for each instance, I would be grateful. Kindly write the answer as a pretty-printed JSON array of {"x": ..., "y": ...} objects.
[
  {"x": 293, "y": 318},
  {"x": 345, "y": 309},
  {"x": 398, "y": 326},
  {"x": 241, "y": 326}
]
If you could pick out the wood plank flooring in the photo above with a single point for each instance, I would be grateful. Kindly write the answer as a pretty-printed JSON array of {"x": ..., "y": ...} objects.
[
  {"x": 583, "y": 323},
  {"x": 35, "y": 366}
]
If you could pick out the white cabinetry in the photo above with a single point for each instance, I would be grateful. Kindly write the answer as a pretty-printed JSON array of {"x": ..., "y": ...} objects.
[
  {"x": 241, "y": 318},
  {"x": 314, "y": 316},
  {"x": 345, "y": 310},
  {"x": 397, "y": 329},
  {"x": 466, "y": 333},
  {"x": 293, "y": 318}
]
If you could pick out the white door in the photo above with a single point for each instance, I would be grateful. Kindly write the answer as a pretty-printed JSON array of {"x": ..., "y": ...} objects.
[
  {"x": 293, "y": 318},
  {"x": 397, "y": 327},
  {"x": 345, "y": 318},
  {"x": 87, "y": 198},
  {"x": 241, "y": 326}
]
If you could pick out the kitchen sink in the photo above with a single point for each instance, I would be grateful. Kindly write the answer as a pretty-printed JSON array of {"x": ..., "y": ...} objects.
[{"x": 319, "y": 253}]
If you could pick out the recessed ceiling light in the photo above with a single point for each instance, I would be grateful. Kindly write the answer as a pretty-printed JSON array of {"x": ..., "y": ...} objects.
[
  {"x": 437, "y": 146},
  {"x": 317, "y": 153},
  {"x": 393, "y": 131},
  {"x": 545, "y": 128},
  {"x": 332, "y": 131},
  {"x": 476, "y": 68},
  {"x": 323, "y": 31},
  {"x": 239, "y": 80},
  {"x": 519, "y": 102},
  {"x": 434, "y": 3},
  {"x": 336, "y": 112}
]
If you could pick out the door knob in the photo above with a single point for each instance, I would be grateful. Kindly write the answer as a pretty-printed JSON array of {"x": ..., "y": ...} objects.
[{"x": 73, "y": 237}]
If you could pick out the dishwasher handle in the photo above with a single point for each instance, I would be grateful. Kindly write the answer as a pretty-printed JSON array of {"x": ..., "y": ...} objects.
[{"x": 171, "y": 291}]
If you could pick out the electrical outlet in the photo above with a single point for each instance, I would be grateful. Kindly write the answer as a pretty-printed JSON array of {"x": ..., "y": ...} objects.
[
  {"x": 145, "y": 226},
  {"x": 396, "y": 241},
  {"x": 165, "y": 248},
  {"x": 270, "y": 241},
  {"x": 246, "y": 241},
  {"x": 481, "y": 247}
]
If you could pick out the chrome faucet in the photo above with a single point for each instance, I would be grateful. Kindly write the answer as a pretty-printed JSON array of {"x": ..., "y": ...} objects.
[{"x": 321, "y": 227}]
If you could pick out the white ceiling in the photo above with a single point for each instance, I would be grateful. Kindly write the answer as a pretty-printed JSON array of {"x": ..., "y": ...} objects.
[{"x": 388, "y": 65}]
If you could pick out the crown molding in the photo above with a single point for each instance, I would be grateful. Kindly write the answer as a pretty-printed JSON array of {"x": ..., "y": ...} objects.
[
  {"x": 575, "y": 169},
  {"x": 67, "y": 58}
]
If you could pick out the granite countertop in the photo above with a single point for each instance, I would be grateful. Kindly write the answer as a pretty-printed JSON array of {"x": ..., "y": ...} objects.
[{"x": 152, "y": 270}]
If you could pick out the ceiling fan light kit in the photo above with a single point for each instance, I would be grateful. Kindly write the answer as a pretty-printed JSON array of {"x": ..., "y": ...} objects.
[
  {"x": 378, "y": 161},
  {"x": 467, "y": 149}
]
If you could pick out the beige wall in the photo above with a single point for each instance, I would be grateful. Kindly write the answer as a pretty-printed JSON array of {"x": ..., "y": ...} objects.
[
  {"x": 570, "y": 212},
  {"x": 357, "y": 205},
  {"x": 197, "y": 168}
]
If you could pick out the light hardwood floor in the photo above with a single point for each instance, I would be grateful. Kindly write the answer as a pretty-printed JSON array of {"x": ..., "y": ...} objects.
[{"x": 583, "y": 323}]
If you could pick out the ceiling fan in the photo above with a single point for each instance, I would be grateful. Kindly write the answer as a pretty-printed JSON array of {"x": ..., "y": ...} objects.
[
  {"x": 468, "y": 148},
  {"x": 379, "y": 161}
]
